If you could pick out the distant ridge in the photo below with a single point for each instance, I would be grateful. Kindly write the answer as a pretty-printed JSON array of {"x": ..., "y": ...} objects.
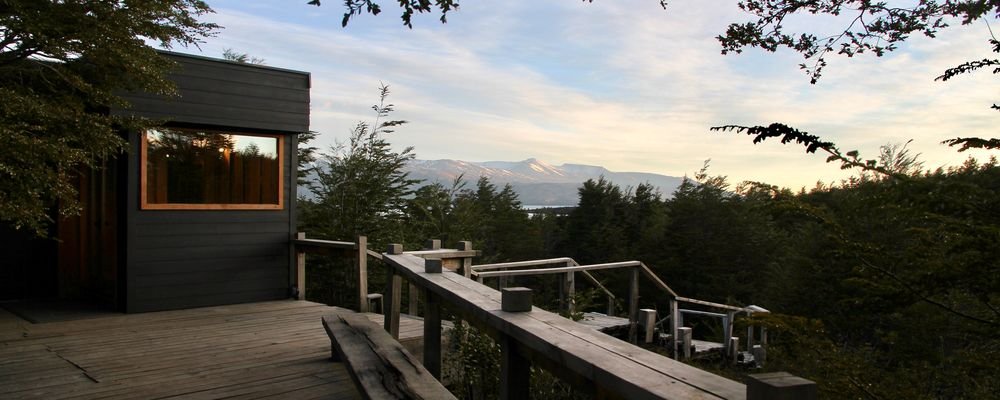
[{"x": 536, "y": 182}]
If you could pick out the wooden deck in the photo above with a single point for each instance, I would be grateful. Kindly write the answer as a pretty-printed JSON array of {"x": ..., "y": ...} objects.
[{"x": 248, "y": 351}]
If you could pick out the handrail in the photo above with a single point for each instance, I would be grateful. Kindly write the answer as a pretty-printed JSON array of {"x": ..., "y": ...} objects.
[
  {"x": 518, "y": 264},
  {"x": 559, "y": 270},
  {"x": 569, "y": 350},
  {"x": 325, "y": 244}
]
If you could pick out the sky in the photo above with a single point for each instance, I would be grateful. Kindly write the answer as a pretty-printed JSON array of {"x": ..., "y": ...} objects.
[{"x": 622, "y": 84}]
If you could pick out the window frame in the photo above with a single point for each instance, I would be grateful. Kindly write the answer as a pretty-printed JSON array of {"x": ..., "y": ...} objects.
[{"x": 144, "y": 204}]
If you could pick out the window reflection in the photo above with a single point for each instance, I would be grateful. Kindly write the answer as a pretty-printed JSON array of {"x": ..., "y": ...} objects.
[{"x": 186, "y": 166}]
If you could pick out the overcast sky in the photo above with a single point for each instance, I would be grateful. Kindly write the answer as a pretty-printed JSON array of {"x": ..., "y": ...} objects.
[{"x": 621, "y": 84}]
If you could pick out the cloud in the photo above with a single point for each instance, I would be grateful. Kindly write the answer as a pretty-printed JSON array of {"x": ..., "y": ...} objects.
[{"x": 625, "y": 85}]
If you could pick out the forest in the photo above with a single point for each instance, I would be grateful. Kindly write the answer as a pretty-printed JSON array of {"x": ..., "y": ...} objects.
[{"x": 882, "y": 286}]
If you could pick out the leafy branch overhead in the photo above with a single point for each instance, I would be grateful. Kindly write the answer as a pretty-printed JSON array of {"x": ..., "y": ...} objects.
[
  {"x": 811, "y": 142},
  {"x": 59, "y": 62},
  {"x": 358, "y": 7},
  {"x": 869, "y": 26}
]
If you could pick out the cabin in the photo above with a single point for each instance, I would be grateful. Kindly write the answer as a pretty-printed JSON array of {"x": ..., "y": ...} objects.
[{"x": 198, "y": 212}]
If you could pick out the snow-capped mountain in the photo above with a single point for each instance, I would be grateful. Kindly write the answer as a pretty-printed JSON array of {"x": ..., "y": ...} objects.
[{"x": 536, "y": 182}]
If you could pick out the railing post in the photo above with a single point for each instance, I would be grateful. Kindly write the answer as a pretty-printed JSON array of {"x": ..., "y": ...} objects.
[
  {"x": 300, "y": 268},
  {"x": 685, "y": 340},
  {"x": 675, "y": 323},
  {"x": 633, "y": 304},
  {"x": 362, "y": 264},
  {"x": 393, "y": 290},
  {"x": 648, "y": 318},
  {"x": 727, "y": 329},
  {"x": 515, "y": 369},
  {"x": 432, "y": 324},
  {"x": 412, "y": 306},
  {"x": 569, "y": 289},
  {"x": 734, "y": 348},
  {"x": 466, "y": 261}
]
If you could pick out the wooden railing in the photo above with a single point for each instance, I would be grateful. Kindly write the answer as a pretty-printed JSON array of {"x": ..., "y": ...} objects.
[
  {"x": 590, "y": 361},
  {"x": 358, "y": 250}
]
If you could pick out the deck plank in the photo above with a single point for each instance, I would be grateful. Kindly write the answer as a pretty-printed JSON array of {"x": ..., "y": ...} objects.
[{"x": 260, "y": 350}]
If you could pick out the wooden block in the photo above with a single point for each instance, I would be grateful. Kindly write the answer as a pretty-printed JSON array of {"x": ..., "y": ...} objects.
[
  {"x": 685, "y": 339},
  {"x": 432, "y": 266},
  {"x": 395, "y": 248},
  {"x": 780, "y": 386},
  {"x": 647, "y": 317},
  {"x": 465, "y": 245},
  {"x": 515, "y": 299},
  {"x": 433, "y": 244},
  {"x": 380, "y": 366}
]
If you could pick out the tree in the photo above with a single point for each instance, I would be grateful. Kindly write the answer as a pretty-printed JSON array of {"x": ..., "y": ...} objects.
[
  {"x": 364, "y": 188},
  {"x": 235, "y": 56},
  {"x": 61, "y": 63}
]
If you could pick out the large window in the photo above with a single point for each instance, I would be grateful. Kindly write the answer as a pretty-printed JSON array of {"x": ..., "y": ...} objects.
[{"x": 209, "y": 169}]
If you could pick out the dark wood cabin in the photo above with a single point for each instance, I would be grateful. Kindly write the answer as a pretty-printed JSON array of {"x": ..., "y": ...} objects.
[{"x": 199, "y": 212}]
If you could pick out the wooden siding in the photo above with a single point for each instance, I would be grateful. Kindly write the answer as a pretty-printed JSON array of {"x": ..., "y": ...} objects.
[
  {"x": 229, "y": 94},
  {"x": 190, "y": 258}
]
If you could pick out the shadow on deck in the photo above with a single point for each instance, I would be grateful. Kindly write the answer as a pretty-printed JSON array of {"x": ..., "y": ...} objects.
[{"x": 247, "y": 351}]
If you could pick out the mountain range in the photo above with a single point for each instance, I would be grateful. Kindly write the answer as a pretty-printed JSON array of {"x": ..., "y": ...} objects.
[{"x": 536, "y": 182}]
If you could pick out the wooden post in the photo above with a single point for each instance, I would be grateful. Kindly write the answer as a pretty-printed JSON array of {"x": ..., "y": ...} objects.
[
  {"x": 393, "y": 290},
  {"x": 749, "y": 337},
  {"x": 300, "y": 269},
  {"x": 780, "y": 386},
  {"x": 466, "y": 261},
  {"x": 412, "y": 307},
  {"x": 734, "y": 348},
  {"x": 727, "y": 329},
  {"x": 515, "y": 371},
  {"x": 432, "y": 333},
  {"x": 433, "y": 244},
  {"x": 675, "y": 316},
  {"x": 569, "y": 289},
  {"x": 633, "y": 304},
  {"x": 362, "y": 264},
  {"x": 685, "y": 334},
  {"x": 648, "y": 318}
]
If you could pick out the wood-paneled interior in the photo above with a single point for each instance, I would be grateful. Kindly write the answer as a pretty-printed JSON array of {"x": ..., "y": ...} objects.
[
  {"x": 88, "y": 243},
  {"x": 269, "y": 350}
]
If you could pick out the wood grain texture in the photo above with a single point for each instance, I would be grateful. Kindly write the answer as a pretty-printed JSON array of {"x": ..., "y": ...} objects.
[
  {"x": 379, "y": 365},
  {"x": 248, "y": 351},
  {"x": 614, "y": 367}
]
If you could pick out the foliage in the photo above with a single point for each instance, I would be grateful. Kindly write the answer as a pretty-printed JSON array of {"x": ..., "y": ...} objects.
[
  {"x": 61, "y": 64},
  {"x": 305, "y": 156},
  {"x": 471, "y": 363},
  {"x": 870, "y": 26},
  {"x": 233, "y": 55},
  {"x": 362, "y": 191},
  {"x": 472, "y": 366},
  {"x": 358, "y": 7}
]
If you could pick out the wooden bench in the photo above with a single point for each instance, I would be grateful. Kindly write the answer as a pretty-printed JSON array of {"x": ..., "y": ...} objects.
[{"x": 380, "y": 367}]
